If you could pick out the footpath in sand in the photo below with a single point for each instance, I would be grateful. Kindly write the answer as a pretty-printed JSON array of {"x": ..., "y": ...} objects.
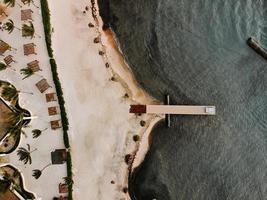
[{"x": 101, "y": 128}]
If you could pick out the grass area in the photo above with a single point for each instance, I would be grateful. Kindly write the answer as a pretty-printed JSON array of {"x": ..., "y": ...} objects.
[{"x": 64, "y": 119}]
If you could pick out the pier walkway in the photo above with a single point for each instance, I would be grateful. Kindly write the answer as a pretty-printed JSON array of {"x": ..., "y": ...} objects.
[{"x": 173, "y": 109}]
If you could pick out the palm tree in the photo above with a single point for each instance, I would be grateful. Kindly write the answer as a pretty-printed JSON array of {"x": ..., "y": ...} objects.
[
  {"x": 3, "y": 66},
  {"x": 36, "y": 132},
  {"x": 28, "y": 30},
  {"x": 27, "y": 72},
  {"x": 25, "y": 154},
  {"x": 11, "y": 3},
  {"x": 9, "y": 93},
  {"x": 29, "y": 2},
  {"x": 4, "y": 185},
  {"x": 37, "y": 172},
  {"x": 16, "y": 117},
  {"x": 9, "y": 26}
]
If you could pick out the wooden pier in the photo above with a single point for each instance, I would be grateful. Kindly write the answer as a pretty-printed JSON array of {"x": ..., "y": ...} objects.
[{"x": 173, "y": 110}]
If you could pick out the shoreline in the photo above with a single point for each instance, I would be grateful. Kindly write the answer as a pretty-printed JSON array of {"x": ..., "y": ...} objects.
[{"x": 113, "y": 50}]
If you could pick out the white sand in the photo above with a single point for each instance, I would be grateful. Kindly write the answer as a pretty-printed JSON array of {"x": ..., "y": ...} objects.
[
  {"x": 46, "y": 187},
  {"x": 101, "y": 127}
]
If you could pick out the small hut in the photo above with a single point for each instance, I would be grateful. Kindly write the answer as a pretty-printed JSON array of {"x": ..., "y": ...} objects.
[
  {"x": 29, "y": 49},
  {"x": 63, "y": 188},
  {"x": 4, "y": 47},
  {"x": 50, "y": 97},
  {"x": 52, "y": 110},
  {"x": 55, "y": 124},
  {"x": 26, "y": 14},
  {"x": 34, "y": 66},
  {"x": 8, "y": 60},
  {"x": 59, "y": 156},
  {"x": 42, "y": 85}
]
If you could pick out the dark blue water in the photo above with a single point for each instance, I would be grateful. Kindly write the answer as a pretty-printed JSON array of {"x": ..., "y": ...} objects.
[{"x": 196, "y": 51}]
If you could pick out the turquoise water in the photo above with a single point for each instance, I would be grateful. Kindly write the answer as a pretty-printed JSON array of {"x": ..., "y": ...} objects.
[{"x": 196, "y": 51}]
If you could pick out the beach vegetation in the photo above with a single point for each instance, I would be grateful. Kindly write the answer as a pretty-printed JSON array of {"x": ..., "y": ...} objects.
[
  {"x": 113, "y": 78},
  {"x": 28, "y": 30},
  {"x": 136, "y": 138},
  {"x": 68, "y": 180},
  {"x": 125, "y": 190},
  {"x": 36, "y": 173},
  {"x": 3, "y": 66},
  {"x": 101, "y": 53},
  {"x": 16, "y": 117},
  {"x": 128, "y": 159},
  {"x": 37, "y": 132},
  {"x": 27, "y": 72},
  {"x": 29, "y": 2},
  {"x": 25, "y": 154},
  {"x": 9, "y": 93},
  {"x": 142, "y": 123},
  {"x": 47, "y": 26},
  {"x": 9, "y": 26},
  {"x": 10, "y": 3},
  {"x": 4, "y": 185},
  {"x": 91, "y": 25}
]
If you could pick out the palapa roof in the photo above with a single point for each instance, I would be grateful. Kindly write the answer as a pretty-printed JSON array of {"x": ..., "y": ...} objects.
[
  {"x": 42, "y": 85},
  {"x": 52, "y": 110},
  {"x": 29, "y": 49},
  {"x": 26, "y": 14},
  {"x": 34, "y": 65},
  {"x": 4, "y": 47},
  {"x": 59, "y": 156},
  {"x": 63, "y": 188},
  {"x": 50, "y": 97},
  {"x": 8, "y": 59},
  {"x": 55, "y": 124}
]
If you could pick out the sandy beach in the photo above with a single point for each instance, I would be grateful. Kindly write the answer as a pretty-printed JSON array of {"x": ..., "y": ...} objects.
[{"x": 97, "y": 98}]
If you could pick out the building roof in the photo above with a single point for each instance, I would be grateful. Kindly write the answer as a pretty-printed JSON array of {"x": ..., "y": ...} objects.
[
  {"x": 34, "y": 65},
  {"x": 55, "y": 124},
  {"x": 52, "y": 110},
  {"x": 4, "y": 47},
  {"x": 8, "y": 195},
  {"x": 59, "y": 156},
  {"x": 26, "y": 14},
  {"x": 42, "y": 85},
  {"x": 50, "y": 97},
  {"x": 29, "y": 49},
  {"x": 138, "y": 109}
]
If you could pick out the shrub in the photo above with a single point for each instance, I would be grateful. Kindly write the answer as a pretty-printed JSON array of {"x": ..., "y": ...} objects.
[{"x": 47, "y": 26}]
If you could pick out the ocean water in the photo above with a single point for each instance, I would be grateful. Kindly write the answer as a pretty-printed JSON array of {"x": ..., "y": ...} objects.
[{"x": 196, "y": 51}]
